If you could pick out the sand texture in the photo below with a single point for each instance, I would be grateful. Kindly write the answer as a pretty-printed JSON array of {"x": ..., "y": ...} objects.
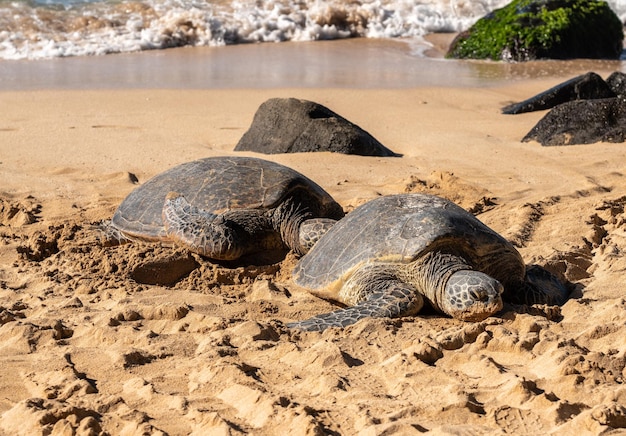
[{"x": 89, "y": 346}]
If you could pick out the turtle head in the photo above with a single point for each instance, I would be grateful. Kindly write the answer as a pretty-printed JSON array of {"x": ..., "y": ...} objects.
[
  {"x": 471, "y": 296},
  {"x": 311, "y": 231}
]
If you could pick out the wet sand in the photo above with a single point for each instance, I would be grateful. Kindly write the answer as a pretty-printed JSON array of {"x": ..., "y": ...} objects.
[
  {"x": 352, "y": 63},
  {"x": 85, "y": 347}
]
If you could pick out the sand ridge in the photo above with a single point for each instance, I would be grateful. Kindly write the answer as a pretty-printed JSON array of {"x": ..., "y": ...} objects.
[{"x": 87, "y": 346}]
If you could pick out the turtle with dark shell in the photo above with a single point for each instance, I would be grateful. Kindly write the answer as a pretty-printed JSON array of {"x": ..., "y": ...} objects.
[
  {"x": 227, "y": 207},
  {"x": 390, "y": 256}
]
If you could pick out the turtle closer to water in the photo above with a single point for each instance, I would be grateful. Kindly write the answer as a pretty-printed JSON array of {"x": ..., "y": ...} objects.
[
  {"x": 391, "y": 255},
  {"x": 227, "y": 207}
]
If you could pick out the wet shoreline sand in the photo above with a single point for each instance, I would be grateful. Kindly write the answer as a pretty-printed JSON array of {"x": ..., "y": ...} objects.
[
  {"x": 351, "y": 63},
  {"x": 83, "y": 345}
]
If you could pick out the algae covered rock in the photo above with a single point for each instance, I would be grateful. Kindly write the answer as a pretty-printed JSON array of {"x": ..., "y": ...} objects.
[{"x": 535, "y": 29}]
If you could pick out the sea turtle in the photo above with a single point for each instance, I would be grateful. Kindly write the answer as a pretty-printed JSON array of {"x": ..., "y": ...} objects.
[
  {"x": 227, "y": 207},
  {"x": 390, "y": 254}
]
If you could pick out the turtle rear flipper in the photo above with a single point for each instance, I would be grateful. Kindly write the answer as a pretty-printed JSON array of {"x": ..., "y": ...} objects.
[
  {"x": 540, "y": 287},
  {"x": 396, "y": 300},
  {"x": 109, "y": 235}
]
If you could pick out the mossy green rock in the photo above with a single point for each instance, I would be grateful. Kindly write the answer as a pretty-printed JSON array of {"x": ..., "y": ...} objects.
[{"x": 538, "y": 29}]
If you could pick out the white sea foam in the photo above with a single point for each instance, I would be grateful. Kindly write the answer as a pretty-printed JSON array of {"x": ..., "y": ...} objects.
[{"x": 56, "y": 28}]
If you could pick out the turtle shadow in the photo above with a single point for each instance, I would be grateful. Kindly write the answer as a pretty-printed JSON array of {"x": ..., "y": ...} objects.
[
  {"x": 265, "y": 258},
  {"x": 168, "y": 269}
]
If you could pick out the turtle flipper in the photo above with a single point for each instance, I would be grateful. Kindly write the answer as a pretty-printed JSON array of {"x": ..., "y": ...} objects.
[
  {"x": 200, "y": 231},
  {"x": 398, "y": 299},
  {"x": 312, "y": 230},
  {"x": 540, "y": 287}
]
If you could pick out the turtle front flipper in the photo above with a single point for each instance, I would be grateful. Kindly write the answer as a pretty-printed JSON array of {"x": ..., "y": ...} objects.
[
  {"x": 202, "y": 232},
  {"x": 540, "y": 287},
  {"x": 395, "y": 300}
]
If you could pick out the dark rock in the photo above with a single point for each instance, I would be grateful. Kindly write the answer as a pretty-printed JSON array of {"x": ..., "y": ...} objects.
[
  {"x": 289, "y": 125},
  {"x": 617, "y": 83},
  {"x": 584, "y": 87},
  {"x": 582, "y": 122},
  {"x": 586, "y": 109},
  {"x": 535, "y": 29}
]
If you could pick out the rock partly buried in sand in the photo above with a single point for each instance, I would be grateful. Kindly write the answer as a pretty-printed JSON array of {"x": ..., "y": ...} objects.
[
  {"x": 393, "y": 254},
  {"x": 290, "y": 125},
  {"x": 535, "y": 29},
  {"x": 582, "y": 122},
  {"x": 239, "y": 206},
  {"x": 584, "y": 87}
]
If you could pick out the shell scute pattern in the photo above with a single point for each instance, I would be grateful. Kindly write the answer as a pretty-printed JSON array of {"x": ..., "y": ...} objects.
[
  {"x": 397, "y": 229},
  {"x": 226, "y": 207},
  {"x": 211, "y": 184},
  {"x": 394, "y": 254}
]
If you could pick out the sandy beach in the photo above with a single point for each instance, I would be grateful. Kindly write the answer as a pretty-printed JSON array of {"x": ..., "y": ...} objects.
[{"x": 86, "y": 349}]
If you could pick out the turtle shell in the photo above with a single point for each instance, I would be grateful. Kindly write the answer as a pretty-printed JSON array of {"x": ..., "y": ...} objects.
[
  {"x": 400, "y": 229},
  {"x": 217, "y": 184}
]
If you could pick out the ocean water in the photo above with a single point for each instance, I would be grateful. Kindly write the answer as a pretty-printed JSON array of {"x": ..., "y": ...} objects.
[{"x": 37, "y": 29}]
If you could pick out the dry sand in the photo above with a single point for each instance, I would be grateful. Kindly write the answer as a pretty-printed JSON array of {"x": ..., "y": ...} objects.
[{"x": 85, "y": 348}]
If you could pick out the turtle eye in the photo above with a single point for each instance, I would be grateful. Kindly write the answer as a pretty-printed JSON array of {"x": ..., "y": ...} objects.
[{"x": 479, "y": 295}]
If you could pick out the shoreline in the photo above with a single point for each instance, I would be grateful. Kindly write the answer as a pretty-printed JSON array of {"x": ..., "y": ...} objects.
[{"x": 349, "y": 63}]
